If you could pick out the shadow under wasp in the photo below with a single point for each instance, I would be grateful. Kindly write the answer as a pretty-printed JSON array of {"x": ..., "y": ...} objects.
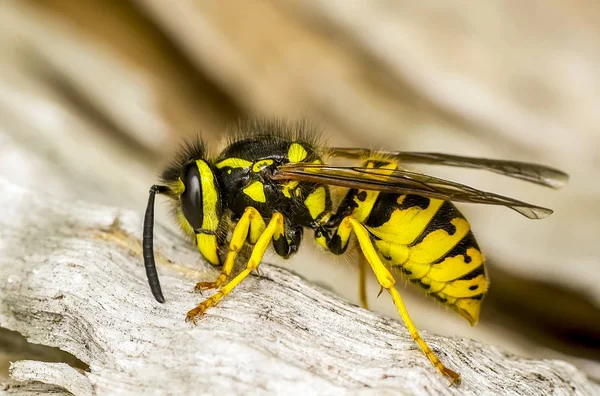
[{"x": 270, "y": 183}]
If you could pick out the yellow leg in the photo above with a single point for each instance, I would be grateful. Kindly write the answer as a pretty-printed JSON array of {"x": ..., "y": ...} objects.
[
  {"x": 250, "y": 222},
  {"x": 362, "y": 281},
  {"x": 275, "y": 225},
  {"x": 386, "y": 280}
]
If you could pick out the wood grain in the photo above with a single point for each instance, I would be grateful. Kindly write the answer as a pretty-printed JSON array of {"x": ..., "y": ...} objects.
[{"x": 71, "y": 276}]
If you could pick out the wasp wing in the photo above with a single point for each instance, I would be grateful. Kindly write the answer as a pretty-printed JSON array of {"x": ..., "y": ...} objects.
[
  {"x": 402, "y": 182},
  {"x": 534, "y": 173}
]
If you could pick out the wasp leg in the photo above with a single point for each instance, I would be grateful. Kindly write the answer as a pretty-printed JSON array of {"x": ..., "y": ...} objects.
[
  {"x": 251, "y": 225},
  {"x": 362, "y": 281},
  {"x": 275, "y": 227},
  {"x": 386, "y": 280},
  {"x": 288, "y": 245}
]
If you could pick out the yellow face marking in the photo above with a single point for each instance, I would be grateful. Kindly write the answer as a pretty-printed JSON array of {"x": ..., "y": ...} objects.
[
  {"x": 259, "y": 165},
  {"x": 184, "y": 223},
  {"x": 411, "y": 221},
  {"x": 296, "y": 153},
  {"x": 437, "y": 243},
  {"x": 207, "y": 244},
  {"x": 256, "y": 191},
  {"x": 234, "y": 163},
  {"x": 315, "y": 202},
  {"x": 210, "y": 197},
  {"x": 178, "y": 187},
  {"x": 289, "y": 187}
]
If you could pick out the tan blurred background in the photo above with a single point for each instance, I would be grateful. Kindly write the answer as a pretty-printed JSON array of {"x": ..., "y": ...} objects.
[{"x": 96, "y": 95}]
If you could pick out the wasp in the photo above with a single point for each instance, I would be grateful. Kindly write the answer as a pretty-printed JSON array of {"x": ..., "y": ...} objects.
[{"x": 271, "y": 183}]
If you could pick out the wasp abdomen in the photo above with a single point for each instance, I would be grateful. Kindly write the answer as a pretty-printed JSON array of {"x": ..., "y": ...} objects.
[
  {"x": 430, "y": 242},
  {"x": 427, "y": 240}
]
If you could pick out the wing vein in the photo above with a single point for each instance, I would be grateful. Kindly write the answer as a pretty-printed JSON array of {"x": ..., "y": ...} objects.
[{"x": 401, "y": 181}]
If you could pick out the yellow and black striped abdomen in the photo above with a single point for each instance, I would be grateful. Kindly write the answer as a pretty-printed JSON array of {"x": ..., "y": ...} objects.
[{"x": 430, "y": 242}]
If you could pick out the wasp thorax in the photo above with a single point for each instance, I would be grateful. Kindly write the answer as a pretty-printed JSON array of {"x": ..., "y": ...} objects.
[{"x": 191, "y": 198}]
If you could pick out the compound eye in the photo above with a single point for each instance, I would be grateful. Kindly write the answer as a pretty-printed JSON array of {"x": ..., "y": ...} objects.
[{"x": 191, "y": 199}]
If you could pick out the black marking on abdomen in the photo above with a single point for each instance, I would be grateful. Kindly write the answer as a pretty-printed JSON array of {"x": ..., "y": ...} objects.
[
  {"x": 440, "y": 299},
  {"x": 473, "y": 274},
  {"x": 387, "y": 203},
  {"x": 461, "y": 249},
  {"x": 441, "y": 220},
  {"x": 476, "y": 297},
  {"x": 419, "y": 283}
]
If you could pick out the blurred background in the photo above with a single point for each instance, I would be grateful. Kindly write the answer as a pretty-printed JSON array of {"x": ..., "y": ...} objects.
[{"x": 96, "y": 95}]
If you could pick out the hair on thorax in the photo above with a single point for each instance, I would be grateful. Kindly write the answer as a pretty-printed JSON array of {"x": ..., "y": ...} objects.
[
  {"x": 276, "y": 129},
  {"x": 301, "y": 130}
]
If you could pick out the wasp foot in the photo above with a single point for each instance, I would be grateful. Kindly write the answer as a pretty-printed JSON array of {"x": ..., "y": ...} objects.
[
  {"x": 201, "y": 286},
  {"x": 453, "y": 375},
  {"x": 197, "y": 312}
]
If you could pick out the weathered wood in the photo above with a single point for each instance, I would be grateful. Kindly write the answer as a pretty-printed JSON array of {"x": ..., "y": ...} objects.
[
  {"x": 32, "y": 388},
  {"x": 60, "y": 374},
  {"x": 71, "y": 276}
]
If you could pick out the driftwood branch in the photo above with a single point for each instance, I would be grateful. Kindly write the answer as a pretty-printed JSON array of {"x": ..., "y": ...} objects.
[{"x": 71, "y": 276}]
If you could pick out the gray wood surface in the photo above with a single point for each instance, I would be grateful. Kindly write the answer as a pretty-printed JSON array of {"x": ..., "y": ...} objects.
[{"x": 71, "y": 276}]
